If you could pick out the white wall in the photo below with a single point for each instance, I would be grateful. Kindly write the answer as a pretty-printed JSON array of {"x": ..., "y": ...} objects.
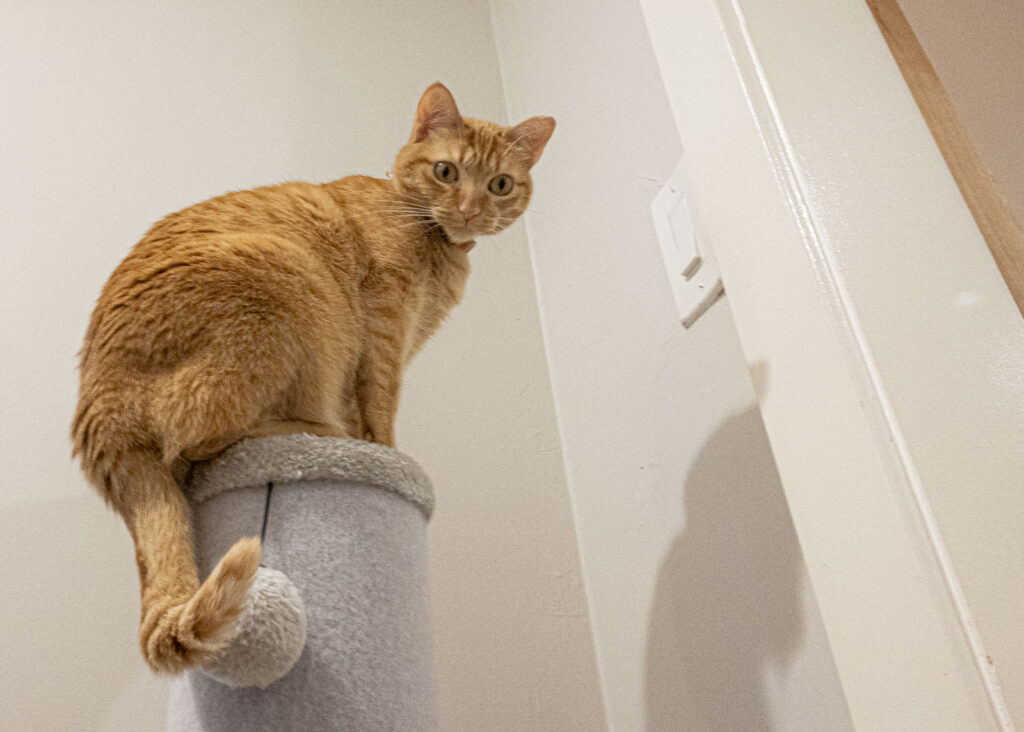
[
  {"x": 894, "y": 405},
  {"x": 697, "y": 589},
  {"x": 115, "y": 114}
]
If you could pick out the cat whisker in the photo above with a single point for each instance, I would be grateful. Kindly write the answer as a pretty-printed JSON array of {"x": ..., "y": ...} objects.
[
  {"x": 412, "y": 218},
  {"x": 393, "y": 212},
  {"x": 415, "y": 223}
]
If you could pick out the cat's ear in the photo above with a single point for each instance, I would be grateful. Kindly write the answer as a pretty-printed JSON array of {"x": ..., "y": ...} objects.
[
  {"x": 436, "y": 111},
  {"x": 531, "y": 136}
]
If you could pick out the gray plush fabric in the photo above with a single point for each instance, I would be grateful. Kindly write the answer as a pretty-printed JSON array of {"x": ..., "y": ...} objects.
[
  {"x": 269, "y": 634},
  {"x": 347, "y": 525},
  {"x": 286, "y": 458}
]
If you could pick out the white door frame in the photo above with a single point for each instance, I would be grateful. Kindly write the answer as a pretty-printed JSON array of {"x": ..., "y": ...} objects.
[{"x": 887, "y": 352}]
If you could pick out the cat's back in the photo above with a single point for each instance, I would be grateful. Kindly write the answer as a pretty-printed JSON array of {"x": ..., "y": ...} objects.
[
  {"x": 250, "y": 251},
  {"x": 291, "y": 225},
  {"x": 289, "y": 209}
]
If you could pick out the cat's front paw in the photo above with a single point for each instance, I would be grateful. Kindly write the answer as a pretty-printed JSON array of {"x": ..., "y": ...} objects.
[{"x": 387, "y": 439}]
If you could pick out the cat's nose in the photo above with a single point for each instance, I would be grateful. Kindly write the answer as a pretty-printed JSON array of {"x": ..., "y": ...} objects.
[{"x": 469, "y": 210}]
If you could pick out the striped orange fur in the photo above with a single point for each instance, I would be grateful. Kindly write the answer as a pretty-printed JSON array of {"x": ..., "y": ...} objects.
[{"x": 290, "y": 308}]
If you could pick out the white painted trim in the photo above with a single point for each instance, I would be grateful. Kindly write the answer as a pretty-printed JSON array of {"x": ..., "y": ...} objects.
[
  {"x": 791, "y": 221},
  {"x": 874, "y": 397}
]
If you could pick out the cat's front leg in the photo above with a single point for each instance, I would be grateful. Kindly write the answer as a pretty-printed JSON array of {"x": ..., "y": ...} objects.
[
  {"x": 379, "y": 376},
  {"x": 377, "y": 390},
  {"x": 351, "y": 412}
]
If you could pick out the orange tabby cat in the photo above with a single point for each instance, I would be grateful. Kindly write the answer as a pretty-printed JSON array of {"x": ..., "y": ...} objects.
[{"x": 290, "y": 308}]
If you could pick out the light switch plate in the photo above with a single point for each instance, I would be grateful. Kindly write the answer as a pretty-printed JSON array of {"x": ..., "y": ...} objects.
[{"x": 692, "y": 272}]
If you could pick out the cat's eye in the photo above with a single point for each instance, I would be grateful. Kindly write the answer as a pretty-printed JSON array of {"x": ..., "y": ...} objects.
[
  {"x": 446, "y": 172},
  {"x": 500, "y": 185}
]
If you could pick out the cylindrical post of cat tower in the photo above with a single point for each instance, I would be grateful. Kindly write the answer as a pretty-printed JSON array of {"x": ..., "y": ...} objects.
[{"x": 345, "y": 522}]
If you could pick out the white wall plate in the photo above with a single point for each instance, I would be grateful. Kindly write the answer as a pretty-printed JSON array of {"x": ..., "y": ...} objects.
[{"x": 692, "y": 272}]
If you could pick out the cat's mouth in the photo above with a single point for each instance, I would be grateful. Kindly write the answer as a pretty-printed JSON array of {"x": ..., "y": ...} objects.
[
  {"x": 456, "y": 233},
  {"x": 459, "y": 236}
]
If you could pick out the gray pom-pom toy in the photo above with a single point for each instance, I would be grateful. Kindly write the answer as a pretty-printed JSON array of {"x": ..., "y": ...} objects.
[{"x": 269, "y": 634}]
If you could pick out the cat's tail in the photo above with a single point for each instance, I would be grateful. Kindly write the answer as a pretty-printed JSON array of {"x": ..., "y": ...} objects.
[{"x": 183, "y": 622}]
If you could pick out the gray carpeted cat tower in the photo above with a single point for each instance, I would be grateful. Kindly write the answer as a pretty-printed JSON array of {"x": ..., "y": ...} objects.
[{"x": 336, "y": 633}]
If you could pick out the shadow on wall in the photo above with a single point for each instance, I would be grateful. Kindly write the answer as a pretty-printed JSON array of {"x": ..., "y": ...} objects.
[{"x": 727, "y": 600}]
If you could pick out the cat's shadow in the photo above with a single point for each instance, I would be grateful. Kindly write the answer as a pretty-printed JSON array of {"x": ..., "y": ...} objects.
[{"x": 727, "y": 602}]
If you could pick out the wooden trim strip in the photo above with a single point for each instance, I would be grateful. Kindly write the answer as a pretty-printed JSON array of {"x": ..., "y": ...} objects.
[{"x": 1001, "y": 230}]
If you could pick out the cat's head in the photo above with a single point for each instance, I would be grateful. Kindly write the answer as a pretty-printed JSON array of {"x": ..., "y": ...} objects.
[{"x": 472, "y": 176}]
